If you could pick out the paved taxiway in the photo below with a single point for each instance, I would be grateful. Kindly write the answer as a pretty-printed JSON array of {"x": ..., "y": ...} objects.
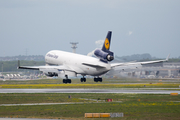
[
  {"x": 26, "y": 119},
  {"x": 136, "y": 91}
]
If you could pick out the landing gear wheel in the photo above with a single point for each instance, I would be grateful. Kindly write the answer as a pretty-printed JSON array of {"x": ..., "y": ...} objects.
[
  {"x": 65, "y": 81},
  {"x": 83, "y": 80},
  {"x": 100, "y": 79},
  {"x": 68, "y": 80},
  {"x": 97, "y": 79}
]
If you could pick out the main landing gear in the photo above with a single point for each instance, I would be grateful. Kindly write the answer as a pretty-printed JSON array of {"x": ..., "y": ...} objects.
[
  {"x": 98, "y": 79},
  {"x": 83, "y": 79},
  {"x": 66, "y": 80}
]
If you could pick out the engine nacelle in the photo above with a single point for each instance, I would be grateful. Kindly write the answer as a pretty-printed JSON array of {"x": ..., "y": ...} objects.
[
  {"x": 51, "y": 74},
  {"x": 105, "y": 56}
]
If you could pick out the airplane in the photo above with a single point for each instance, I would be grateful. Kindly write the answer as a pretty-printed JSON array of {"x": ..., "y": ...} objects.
[{"x": 66, "y": 64}]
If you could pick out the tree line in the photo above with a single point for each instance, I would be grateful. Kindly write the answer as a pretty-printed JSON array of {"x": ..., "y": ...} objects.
[{"x": 11, "y": 66}]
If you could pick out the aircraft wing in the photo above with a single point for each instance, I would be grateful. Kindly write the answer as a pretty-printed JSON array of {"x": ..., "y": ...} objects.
[
  {"x": 93, "y": 65},
  {"x": 47, "y": 68},
  {"x": 138, "y": 63}
]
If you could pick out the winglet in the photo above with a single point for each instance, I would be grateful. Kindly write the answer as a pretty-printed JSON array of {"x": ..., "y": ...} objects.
[
  {"x": 168, "y": 57},
  {"x": 27, "y": 67},
  {"x": 18, "y": 64}
]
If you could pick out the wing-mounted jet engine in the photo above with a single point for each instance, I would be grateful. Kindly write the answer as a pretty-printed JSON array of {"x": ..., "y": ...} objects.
[
  {"x": 51, "y": 74},
  {"x": 104, "y": 54}
]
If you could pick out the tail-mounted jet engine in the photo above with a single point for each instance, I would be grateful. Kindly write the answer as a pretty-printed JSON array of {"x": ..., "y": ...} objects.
[
  {"x": 105, "y": 56},
  {"x": 51, "y": 74}
]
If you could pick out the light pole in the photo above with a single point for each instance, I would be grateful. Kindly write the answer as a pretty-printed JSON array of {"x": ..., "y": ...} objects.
[{"x": 2, "y": 66}]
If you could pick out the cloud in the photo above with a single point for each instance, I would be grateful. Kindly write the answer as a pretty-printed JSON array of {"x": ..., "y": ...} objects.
[
  {"x": 99, "y": 43},
  {"x": 130, "y": 32},
  {"x": 91, "y": 53}
]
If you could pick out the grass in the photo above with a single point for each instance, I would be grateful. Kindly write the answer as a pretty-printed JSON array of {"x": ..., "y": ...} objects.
[
  {"x": 149, "y": 107},
  {"x": 134, "y": 106},
  {"x": 165, "y": 111},
  {"x": 17, "y": 98},
  {"x": 90, "y": 81},
  {"x": 107, "y": 83}
]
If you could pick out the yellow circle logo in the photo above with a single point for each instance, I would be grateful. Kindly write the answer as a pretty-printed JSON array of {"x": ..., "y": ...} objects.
[{"x": 106, "y": 44}]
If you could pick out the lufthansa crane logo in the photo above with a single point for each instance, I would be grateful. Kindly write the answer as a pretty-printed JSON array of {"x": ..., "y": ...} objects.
[{"x": 106, "y": 44}]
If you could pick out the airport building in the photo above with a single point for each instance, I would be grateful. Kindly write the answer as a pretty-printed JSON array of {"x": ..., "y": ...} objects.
[{"x": 158, "y": 70}]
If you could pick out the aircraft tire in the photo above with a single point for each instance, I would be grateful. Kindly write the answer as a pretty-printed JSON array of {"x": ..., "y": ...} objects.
[
  {"x": 83, "y": 80},
  {"x": 68, "y": 80},
  {"x": 95, "y": 79},
  {"x": 100, "y": 79},
  {"x": 64, "y": 81}
]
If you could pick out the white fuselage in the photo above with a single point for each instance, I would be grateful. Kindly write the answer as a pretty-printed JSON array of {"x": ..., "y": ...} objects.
[{"x": 75, "y": 63}]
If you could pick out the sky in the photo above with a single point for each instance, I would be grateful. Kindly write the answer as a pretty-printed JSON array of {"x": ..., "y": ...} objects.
[{"x": 34, "y": 27}]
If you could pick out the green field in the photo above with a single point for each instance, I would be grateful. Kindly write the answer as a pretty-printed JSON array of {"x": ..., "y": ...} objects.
[
  {"x": 134, "y": 106},
  {"x": 107, "y": 83},
  {"x": 90, "y": 81}
]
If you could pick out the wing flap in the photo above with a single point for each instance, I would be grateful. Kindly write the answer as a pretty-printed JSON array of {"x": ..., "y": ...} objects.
[{"x": 93, "y": 65}]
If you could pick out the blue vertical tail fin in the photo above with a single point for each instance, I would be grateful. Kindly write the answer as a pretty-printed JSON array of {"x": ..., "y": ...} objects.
[
  {"x": 106, "y": 45},
  {"x": 105, "y": 54}
]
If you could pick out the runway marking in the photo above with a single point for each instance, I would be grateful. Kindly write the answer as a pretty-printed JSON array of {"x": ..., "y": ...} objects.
[
  {"x": 40, "y": 104},
  {"x": 28, "y": 119},
  {"x": 125, "y": 91},
  {"x": 91, "y": 99},
  {"x": 31, "y": 104}
]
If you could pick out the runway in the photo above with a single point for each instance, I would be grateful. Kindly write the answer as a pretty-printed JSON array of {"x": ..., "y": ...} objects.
[
  {"x": 27, "y": 119},
  {"x": 132, "y": 91}
]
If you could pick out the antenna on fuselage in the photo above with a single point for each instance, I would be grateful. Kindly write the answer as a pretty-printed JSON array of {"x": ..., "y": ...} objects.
[{"x": 74, "y": 46}]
